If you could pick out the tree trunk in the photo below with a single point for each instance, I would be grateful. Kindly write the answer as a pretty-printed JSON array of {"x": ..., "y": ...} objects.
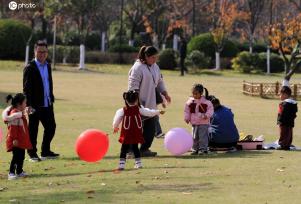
[
  {"x": 103, "y": 41},
  {"x": 217, "y": 61},
  {"x": 268, "y": 60},
  {"x": 54, "y": 44},
  {"x": 131, "y": 42},
  {"x": 26, "y": 54},
  {"x": 175, "y": 42},
  {"x": 82, "y": 57},
  {"x": 250, "y": 49}
]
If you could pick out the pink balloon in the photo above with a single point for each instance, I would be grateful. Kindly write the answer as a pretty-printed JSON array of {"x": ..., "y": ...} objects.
[
  {"x": 1, "y": 135},
  {"x": 178, "y": 141},
  {"x": 92, "y": 145}
]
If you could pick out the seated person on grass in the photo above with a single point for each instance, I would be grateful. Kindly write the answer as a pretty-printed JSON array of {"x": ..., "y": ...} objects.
[{"x": 223, "y": 131}]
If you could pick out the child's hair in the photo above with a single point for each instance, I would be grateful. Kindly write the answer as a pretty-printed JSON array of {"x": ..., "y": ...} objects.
[
  {"x": 200, "y": 88},
  {"x": 131, "y": 97},
  {"x": 215, "y": 101},
  {"x": 146, "y": 51},
  {"x": 15, "y": 100},
  {"x": 286, "y": 90}
]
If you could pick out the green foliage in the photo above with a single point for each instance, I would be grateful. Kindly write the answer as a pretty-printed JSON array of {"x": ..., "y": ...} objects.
[
  {"x": 167, "y": 59},
  {"x": 276, "y": 62},
  {"x": 246, "y": 62},
  {"x": 205, "y": 43},
  {"x": 13, "y": 38},
  {"x": 257, "y": 47},
  {"x": 230, "y": 49},
  {"x": 110, "y": 58},
  {"x": 198, "y": 59},
  {"x": 70, "y": 53},
  {"x": 123, "y": 48}
]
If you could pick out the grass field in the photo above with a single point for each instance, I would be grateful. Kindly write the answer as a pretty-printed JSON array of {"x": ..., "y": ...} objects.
[{"x": 89, "y": 100}]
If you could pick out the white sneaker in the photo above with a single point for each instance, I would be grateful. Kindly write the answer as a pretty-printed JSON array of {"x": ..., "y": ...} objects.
[
  {"x": 121, "y": 165},
  {"x": 12, "y": 176},
  {"x": 138, "y": 165},
  {"x": 23, "y": 174}
]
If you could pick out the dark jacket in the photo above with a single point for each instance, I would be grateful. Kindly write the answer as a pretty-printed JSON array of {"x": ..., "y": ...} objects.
[
  {"x": 287, "y": 113},
  {"x": 183, "y": 48},
  {"x": 33, "y": 86},
  {"x": 222, "y": 128}
]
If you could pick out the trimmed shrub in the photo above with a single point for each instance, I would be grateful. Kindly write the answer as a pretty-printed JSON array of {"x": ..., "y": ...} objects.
[
  {"x": 167, "y": 59},
  {"x": 276, "y": 62},
  {"x": 69, "y": 53},
  {"x": 123, "y": 48},
  {"x": 198, "y": 59},
  {"x": 230, "y": 49},
  {"x": 204, "y": 43},
  {"x": 245, "y": 62},
  {"x": 13, "y": 37},
  {"x": 257, "y": 47},
  {"x": 110, "y": 58}
]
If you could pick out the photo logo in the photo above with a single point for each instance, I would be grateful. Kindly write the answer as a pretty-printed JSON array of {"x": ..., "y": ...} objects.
[
  {"x": 12, "y": 5},
  {"x": 15, "y": 6}
]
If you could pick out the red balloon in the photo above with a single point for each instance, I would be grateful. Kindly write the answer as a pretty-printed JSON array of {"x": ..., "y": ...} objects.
[{"x": 92, "y": 145}]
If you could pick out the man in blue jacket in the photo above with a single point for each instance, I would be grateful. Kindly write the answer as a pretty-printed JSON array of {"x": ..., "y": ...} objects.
[{"x": 223, "y": 131}]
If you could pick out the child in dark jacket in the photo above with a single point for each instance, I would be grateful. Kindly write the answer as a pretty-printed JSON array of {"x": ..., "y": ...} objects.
[{"x": 286, "y": 116}]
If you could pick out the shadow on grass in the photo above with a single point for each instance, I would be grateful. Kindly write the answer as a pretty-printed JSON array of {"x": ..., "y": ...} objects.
[
  {"x": 221, "y": 155},
  {"x": 103, "y": 195},
  {"x": 213, "y": 155}
]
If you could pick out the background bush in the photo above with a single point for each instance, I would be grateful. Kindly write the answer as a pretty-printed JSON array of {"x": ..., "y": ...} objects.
[
  {"x": 13, "y": 38},
  {"x": 167, "y": 59},
  {"x": 198, "y": 59},
  {"x": 205, "y": 44},
  {"x": 276, "y": 62},
  {"x": 246, "y": 62},
  {"x": 123, "y": 48}
]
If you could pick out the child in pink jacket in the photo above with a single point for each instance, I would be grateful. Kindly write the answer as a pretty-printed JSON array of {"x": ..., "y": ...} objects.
[{"x": 198, "y": 111}]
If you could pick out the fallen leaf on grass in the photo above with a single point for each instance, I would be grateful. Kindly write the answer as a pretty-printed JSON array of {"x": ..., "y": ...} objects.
[
  {"x": 186, "y": 193},
  {"x": 3, "y": 188},
  {"x": 90, "y": 192},
  {"x": 49, "y": 168},
  {"x": 116, "y": 171}
]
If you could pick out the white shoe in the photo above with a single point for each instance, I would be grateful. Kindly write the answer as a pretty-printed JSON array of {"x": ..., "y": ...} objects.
[
  {"x": 138, "y": 165},
  {"x": 121, "y": 165},
  {"x": 12, "y": 176},
  {"x": 23, "y": 174}
]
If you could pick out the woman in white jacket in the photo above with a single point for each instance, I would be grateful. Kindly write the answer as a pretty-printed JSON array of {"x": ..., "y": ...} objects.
[{"x": 145, "y": 77}]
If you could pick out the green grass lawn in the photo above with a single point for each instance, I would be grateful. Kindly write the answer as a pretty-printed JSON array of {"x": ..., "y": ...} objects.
[{"x": 89, "y": 100}]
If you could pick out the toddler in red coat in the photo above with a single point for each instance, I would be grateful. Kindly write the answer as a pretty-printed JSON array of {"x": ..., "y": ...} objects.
[
  {"x": 17, "y": 135},
  {"x": 131, "y": 129}
]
